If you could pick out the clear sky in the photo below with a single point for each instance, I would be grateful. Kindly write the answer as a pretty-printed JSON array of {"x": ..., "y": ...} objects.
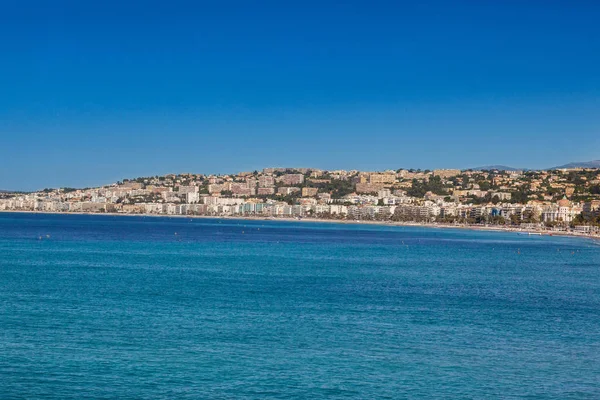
[{"x": 95, "y": 91}]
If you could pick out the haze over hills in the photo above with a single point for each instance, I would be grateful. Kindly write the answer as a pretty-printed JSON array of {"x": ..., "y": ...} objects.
[
  {"x": 576, "y": 164},
  {"x": 581, "y": 164},
  {"x": 12, "y": 191},
  {"x": 498, "y": 167}
]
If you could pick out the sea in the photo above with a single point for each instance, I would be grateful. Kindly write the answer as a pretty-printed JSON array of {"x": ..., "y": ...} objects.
[{"x": 133, "y": 307}]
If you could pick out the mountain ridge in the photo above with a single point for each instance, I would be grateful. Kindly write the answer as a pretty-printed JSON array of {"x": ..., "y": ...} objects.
[
  {"x": 498, "y": 167},
  {"x": 580, "y": 164},
  {"x": 575, "y": 164}
]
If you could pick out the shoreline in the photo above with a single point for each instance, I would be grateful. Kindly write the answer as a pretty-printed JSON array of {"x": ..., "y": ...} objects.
[{"x": 487, "y": 228}]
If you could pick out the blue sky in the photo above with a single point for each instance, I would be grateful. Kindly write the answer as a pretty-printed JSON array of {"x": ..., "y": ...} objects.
[{"x": 93, "y": 92}]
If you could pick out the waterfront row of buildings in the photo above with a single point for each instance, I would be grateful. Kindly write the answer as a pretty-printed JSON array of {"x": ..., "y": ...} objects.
[
  {"x": 540, "y": 197},
  {"x": 351, "y": 207}
]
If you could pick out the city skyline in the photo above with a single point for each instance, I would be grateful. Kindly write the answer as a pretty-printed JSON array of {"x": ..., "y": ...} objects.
[
  {"x": 594, "y": 164},
  {"x": 212, "y": 88},
  {"x": 564, "y": 199}
]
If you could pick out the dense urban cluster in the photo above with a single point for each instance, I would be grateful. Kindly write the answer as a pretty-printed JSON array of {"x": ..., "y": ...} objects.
[{"x": 567, "y": 199}]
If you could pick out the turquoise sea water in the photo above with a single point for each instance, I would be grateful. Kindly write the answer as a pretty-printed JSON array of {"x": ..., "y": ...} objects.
[{"x": 106, "y": 307}]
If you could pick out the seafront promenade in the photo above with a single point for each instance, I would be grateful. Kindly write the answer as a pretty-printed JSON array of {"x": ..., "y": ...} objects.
[{"x": 475, "y": 227}]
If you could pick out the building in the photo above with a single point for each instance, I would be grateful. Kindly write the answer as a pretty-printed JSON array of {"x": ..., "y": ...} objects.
[
  {"x": 368, "y": 187},
  {"x": 265, "y": 181},
  {"x": 284, "y": 190},
  {"x": 265, "y": 191},
  {"x": 309, "y": 192},
  {"x": 563, "y": 212},
  {"x": 409, "y": 212},
  {"x": 386, "y": 178},
  {"x": 187, "y": 189},
  {"x": 242, "y": 189},
  {"x": 192, "y": 197},
  {"x": 215, "y": 188},
  {"x": 324, "y": 197},
  {"x": 446, "y": 173},
  {"x": 291, "y": 179},
  {"x": 384, "y": 193},
  {"x": 130, "y": 185},
  {"x": 591, "y": 209},
  {"x": 159, "y": 189}
]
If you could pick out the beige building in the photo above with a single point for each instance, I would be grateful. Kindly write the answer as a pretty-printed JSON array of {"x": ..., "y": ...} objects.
[
  {"x": 309, "y": 192},
  {"x": 382, "y": 178},
  {"x": 265, "y": 191},
  {"x": 291, "y": 179},
  {"x": 287, "y": 190},
  {"x": 265, "y": 181},
  {"x": 187, "y": 189},
  {"x": 368, "y": 187},
  {"x": 215, "y": 188},
  {"x": 446, "y": 173}
]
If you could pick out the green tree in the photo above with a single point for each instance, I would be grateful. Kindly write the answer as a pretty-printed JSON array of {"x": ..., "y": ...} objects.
[
  {"x": 515, "y": 219},
  {"x": 529, "y": 217}
]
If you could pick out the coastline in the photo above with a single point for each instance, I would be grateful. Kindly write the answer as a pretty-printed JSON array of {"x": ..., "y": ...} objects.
[{"x": 488, "y": 228}]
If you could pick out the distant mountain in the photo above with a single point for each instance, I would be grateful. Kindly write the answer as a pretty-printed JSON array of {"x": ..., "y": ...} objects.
[
  {"x": 582, "y": 164},
  {"x": 11, "y": 191},
  {"x": 498, "y": 167}
]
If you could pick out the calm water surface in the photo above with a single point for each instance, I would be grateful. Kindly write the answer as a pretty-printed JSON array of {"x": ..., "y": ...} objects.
[{"x": 106, "y": 307}]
